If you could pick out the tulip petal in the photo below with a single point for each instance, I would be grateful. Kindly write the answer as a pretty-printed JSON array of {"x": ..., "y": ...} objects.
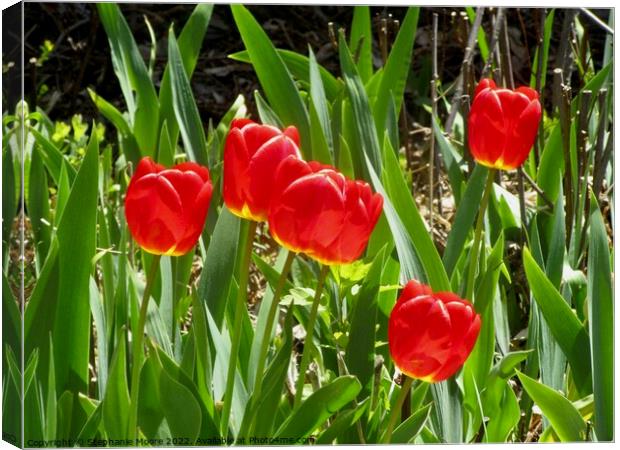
[
  {"x": 236, "y": 163},
  {"x": 199, "y": 170},
  {"x": 487, "y": 128},
  {"x": 256, "y": 135},
  {"x": 262, "y": 167},
  {"x": 293, "y": 134},
  {"x": 154, "y": 213},
  {"x": 414, "y": 289}
]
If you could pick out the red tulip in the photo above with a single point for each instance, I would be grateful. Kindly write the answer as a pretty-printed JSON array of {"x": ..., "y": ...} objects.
[
  {"x": 502, "y": 125},
  {"x": 166, "y": 208},
  {"x": 319, "y": 212},
  {"x": 251, "y": 156},
  {"x": 431, "y": 334}
]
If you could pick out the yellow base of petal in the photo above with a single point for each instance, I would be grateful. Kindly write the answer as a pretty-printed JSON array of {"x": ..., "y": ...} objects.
[
  {"x": 246, "y": 213},
  {"x": 498, "y": 164}
]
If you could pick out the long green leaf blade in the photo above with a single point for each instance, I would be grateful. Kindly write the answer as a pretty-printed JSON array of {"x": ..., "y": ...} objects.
[
  {"x": 601, "y": 314},
  {"x": 570, "y": 334},
  {"x": 273, "y": 75}
]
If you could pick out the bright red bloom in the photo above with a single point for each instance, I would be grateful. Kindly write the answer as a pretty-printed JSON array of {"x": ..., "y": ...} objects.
[
  {"x": 251, "y": 156},
  {"x": 502, "y": 125},
  {"x": 431, "y": 334},
  {"x": 318, "y": 211},
  {"x": 166, "y": 208}
]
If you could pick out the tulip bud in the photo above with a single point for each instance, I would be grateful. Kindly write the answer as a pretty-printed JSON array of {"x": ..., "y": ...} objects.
[
  {"x": 252, "y": 154},
  {"x": 430, "y": 334},
  {"x": 502, "y": 125},
  {"x": 318, "y": 211},
  {"x": 166, "y": 208}
]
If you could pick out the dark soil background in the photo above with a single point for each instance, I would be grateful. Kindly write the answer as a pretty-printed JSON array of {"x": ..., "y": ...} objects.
[{"x": 81, "y": 56}]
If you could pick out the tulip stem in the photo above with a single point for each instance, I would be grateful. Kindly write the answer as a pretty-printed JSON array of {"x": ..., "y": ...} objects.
[
  {"x": 138, "y": 338},
  {"x": 475, "y": 249},
  {"x": 262, "y": 356},
  {"x": 402, "y": 395},
  {"x": 308, "y": 344},
  {"x": 244, "y": 268}
]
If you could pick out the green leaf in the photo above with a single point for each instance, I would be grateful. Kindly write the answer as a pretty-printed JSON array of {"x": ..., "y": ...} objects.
[
  {"x": 96, "y": 308},
  {"x": 127, "y": 139},
  {"x": 9, "y": 197},
  {"x": 410, "y": 428},
  {"x": 204, "y": 419},
  {"x": 464, "y": 218},
  {"x": 166, "y": 151},
  {"x": 551, "y": 167},
  {"x": 452, "y": 160},
  {"x": 601, "y": 314},
  {"x": 361, "y": 40},
  {"x": 11, "y": 319},
  {"x": 396, "y": 70},
  {"x": 563, "y": 416},
  {"x": 217, "y": 274},
  {"x": 319, "y": 407},
  {"x": 51, "y": 155},
  {"x": 570, "y": 334},
  {"x": 72, "y": 337},
  {"x": 185, "y": 108},
  {"x": 367, "y": 134},
  {"x": 546, "y": 43},
  {"x": 323, "y": 143},
  {"x": 189, "y": 44},
  {"x": 116, "y": 401},
  {"x": 480, "y": 38},
  {"x": 263, "y": 410},
  {"x": 343, "y": 422},
  {"x": 273, "y": 75},
  {"x": 38, "y": 207},
  {"x": 298, "y": 66},
  {"x": 413, "y": 222},
  {"x": 180, "y": 407},
  {"x": 110, "y": 112},
  {"x": 133, "y": 75},
  {"x": 508, "y": 414},
  {"x": 360, "y": 355},
  {"x": 265, "y": 113},
  {"x": 90, "y": 428},
  {"x": 447, "y": 415},
  {"x": 345, "y": 163},
  {"x": 410, "y": 266}
]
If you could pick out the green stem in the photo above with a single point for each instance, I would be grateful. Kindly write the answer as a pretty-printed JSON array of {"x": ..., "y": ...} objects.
[
  {"x": 138, "y": 338},
  {"x": 404, "y": 390},
  {"x": 262, "y": 355},
  {"x": 305, "y": 358},
  {"x": 244, "y": 269},
  {"x": 475, "y": 249}
]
